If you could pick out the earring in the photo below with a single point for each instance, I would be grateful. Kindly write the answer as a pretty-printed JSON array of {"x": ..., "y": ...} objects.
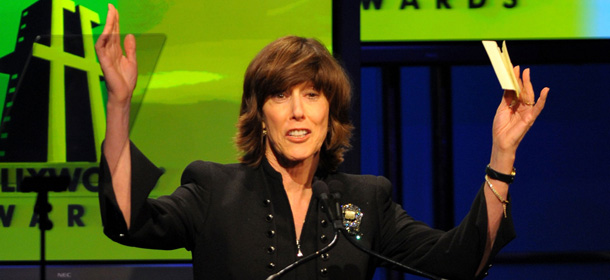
[{"x": 264, "y": 131}]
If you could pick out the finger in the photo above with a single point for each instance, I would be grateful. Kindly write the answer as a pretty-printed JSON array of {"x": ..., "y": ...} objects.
[
  {"x": 109, "y": 20},
  {"x": 115, "y": 20},
  {"x": 115, "y": 40},
  {"x": 528, "y": 97},
  {"x": 108, "y": 26},
  {"x": 541, "y": 101},
  {"x": 508, "y": 97},
  {"x": 107, "y": 39},
  {"x": 130, "y": 48},
  {"x": 517, "y": 70}
]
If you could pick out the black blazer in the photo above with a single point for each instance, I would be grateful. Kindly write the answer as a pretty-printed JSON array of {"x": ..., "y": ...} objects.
[{"x": 236, "y": 221}]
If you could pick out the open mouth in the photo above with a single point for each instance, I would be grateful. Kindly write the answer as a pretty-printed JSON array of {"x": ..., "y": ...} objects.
[{"x": 298, "y": 133}]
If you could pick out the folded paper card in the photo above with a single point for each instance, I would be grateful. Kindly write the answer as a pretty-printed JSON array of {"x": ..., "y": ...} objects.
[{"x": 502, "y": 66}]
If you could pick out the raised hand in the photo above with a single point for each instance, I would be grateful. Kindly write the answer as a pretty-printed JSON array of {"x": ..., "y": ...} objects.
[
  {"x": 120, "y": 71},
  {"x": 513, "y": 119}
]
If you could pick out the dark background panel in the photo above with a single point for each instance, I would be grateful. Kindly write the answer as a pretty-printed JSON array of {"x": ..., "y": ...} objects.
[{"x": 559, "y": 193}]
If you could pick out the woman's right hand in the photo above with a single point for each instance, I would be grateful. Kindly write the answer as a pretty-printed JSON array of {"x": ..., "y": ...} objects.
[{"x": 120, "y": 71}]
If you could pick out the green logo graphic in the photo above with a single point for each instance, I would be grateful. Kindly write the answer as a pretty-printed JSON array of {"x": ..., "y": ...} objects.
[
  {"x": 53, "y": 111},
  {"x": 53, "y": 117}
]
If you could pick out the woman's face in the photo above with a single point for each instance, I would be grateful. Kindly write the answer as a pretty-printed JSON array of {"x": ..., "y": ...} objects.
[{"x": 296, "y": 122}]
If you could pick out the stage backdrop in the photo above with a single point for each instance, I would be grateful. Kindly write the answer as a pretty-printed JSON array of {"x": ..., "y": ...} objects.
[{"x": 53, "y": 114}]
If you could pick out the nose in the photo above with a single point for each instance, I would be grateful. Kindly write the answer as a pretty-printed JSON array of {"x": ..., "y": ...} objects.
[{"x": 297, "y": 106}]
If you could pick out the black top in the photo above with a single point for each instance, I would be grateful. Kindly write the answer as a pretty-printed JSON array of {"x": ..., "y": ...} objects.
[{"x": 236, "y": 221}]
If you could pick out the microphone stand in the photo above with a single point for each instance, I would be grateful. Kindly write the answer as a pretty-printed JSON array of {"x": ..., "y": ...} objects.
[
  {"x": 372, "y": 253},
  {"x": 320, "y": 191},
  {"x": 338, "y": 225},
  {"x": 305, "y": 259},
  {"x": 42, "y": 186},
  {"x": 333, "y": 216},
  {"x": 324, "y": 199}
]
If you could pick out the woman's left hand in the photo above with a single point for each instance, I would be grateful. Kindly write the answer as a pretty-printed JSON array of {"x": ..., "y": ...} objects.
[{"x": 513, "y": 119}]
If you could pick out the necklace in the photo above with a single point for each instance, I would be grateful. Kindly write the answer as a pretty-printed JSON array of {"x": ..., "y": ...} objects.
[{"x": 299, "y": 253}]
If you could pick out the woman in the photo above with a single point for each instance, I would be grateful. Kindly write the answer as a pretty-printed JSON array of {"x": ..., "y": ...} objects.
[{"x": 249, "y": 220}]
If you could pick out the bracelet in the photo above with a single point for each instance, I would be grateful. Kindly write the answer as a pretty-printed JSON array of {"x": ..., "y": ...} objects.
[
  {"x": 506, "y": 178},
  {"x": 500, "y": 198}
]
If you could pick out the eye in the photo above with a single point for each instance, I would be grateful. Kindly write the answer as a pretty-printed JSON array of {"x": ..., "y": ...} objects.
[
  {"x": 312, "y": 94},
  {"x": 280, "y": 95}
]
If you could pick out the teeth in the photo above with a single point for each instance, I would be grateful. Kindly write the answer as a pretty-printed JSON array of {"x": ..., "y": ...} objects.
[{"x": 297, "y": 133}]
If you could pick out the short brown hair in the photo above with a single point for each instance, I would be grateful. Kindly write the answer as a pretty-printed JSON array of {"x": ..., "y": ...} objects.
[{"x": 284, "y": 63}]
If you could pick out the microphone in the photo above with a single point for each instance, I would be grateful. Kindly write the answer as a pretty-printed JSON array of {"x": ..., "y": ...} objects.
[
  {"x": 332, "y": 213},
  {"x": 346, "y": 227},
  {"x": 320, "y": 191}
]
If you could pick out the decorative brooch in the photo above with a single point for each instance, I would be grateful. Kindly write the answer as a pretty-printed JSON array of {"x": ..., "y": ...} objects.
[{"x": 352, "y": 217}]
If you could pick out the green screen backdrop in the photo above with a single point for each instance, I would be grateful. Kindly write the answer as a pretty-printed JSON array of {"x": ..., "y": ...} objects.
[{"x": 188, "y": 112}]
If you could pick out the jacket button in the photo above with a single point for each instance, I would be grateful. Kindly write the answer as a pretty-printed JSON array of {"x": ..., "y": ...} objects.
[
  {"x": 324, "y": 223},
  {"x": 266, "y": 202},
  {"x": 271, "y": 266},
  {"x": 269, "y": 218},
  {"x": 324, "y": 272},
  {"x": 271, "y": 233},
  {"x": 325, "y": 256},
  {"x": 490, "y": 265},
  {"x": 270, "y": 250},
  {"x": 323, "y": 238}
]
